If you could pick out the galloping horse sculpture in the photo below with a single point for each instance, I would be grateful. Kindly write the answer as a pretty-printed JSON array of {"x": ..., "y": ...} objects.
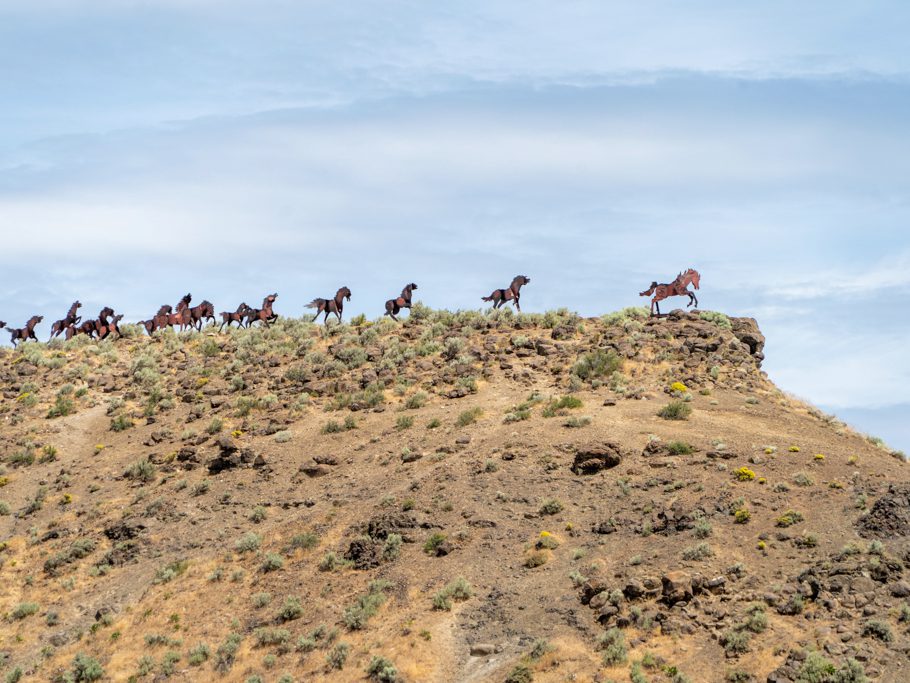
[
  {"x": 327, "y": 306},
  {"x": 265, "y": 315},
  {"x": 204, "y": 311},
  {"x": 236, "y": 317},
  {"x": 27, "y": 332},
  {"x": 59, "y": 326},
  {"x": 513, "y": 293},
  {"x": 675, "y": 288},
  {"x": 393, "y": 306}
]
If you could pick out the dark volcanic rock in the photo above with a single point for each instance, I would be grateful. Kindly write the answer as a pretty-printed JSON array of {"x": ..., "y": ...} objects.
[
  {"x": 890, "y": 516},
  {"x": 593, "y": 459}
]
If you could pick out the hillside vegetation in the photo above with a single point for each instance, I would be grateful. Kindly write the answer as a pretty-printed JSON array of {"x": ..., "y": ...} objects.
[{"x": 459, "y": 497}]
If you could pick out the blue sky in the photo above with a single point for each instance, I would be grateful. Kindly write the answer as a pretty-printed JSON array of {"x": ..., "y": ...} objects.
[{"x": 234, "y": 148}]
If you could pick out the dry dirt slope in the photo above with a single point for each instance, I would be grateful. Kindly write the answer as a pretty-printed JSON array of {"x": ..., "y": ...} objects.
[{"x": 463, "y": 497}]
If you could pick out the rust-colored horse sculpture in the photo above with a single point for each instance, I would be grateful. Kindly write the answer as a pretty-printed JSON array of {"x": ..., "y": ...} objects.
[
  {"x": 59, "y": 326},
  {"x": 204, "y": 311},
  {"x": 228, "y": 317},
  {"x": 112, "y": 327},
  {"x": 27, "y": 332},
  {"x": 513, "y": 293},
  {"x": 393, "y": 306},
  {"x": 675, "y": 288},
  {"x": 265, "y": 315},
  {"x": 327, "y": 306}
]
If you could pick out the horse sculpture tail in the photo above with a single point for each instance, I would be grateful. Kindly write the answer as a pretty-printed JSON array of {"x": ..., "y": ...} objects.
[
  {"x": 315, "y": 303},
  {"x": 486, "y": 298}
]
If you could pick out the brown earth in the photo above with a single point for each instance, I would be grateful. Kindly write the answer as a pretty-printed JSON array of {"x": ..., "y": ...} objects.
[{"x": 568, "y": 521}]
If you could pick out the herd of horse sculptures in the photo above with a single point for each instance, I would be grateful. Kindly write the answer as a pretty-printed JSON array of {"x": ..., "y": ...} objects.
[{"x": 184, "y": 316}]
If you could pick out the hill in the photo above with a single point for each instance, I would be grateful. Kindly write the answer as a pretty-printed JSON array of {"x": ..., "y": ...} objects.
[{"x": 460, "y": 497}]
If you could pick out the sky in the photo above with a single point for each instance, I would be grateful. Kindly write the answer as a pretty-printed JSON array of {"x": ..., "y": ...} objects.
[{"x": 235, "y": 148}]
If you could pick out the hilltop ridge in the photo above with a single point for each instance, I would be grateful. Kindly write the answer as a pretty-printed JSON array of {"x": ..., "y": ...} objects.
[{"x": 458, "y": 497}]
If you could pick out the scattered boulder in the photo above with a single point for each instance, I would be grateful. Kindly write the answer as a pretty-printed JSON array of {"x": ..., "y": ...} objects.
[
  {"x": 677, "y": 587},
  {"x": 889, "y": 516},
  {"x": 592, "y": 459}
]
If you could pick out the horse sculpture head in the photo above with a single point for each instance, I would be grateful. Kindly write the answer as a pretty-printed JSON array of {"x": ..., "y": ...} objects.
[
  {"x": 269, "y": 300},
  {"x": 34, "y": 320},
  {"x": 520, "y": 280},
  {"x": 2, "y": 324},
  {"x": 106, "y": 312},
  {"x": 694, "y": 276},
  {"x": 343, "y": 293}
]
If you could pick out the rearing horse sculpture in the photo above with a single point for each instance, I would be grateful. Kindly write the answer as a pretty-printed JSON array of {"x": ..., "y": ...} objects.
[
  {"x": 265, "y": 315},
  {"x": 27, "y": 332},
  {"x": 513, "y": 293},
  {"x": 71, "y": 318},
  {"x": 675, "y": 288},
  {"x": 393, "y": 306},
  {"x": 327, "y": 306}
]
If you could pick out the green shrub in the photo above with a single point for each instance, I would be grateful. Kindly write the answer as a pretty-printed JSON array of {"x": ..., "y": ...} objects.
[
  {"x": 520, "y": 674},
  {"x": 85, "y": 669},
  {"x": 404, "y": 422},
  {"x": 596, "y": 364},
  {"x": 248, "y": 543},
  {"x": 121, "y": 423},
  {"x": 271, "y": 562},
  {"x": 675, "y": 410},
  {"x": 382, "y": 670},
  {"x": 416, "y": 400},
  {"x": 291, "y": 610},
  {"x": 23, "y": 610},
  {"x": 613, "y": 644},
  {"x": 701, "y": 551},
  {"x": 143, "y": 471},
  {"x": 679, "y": 448},
  {"x": 227, "y": 652},
  {"x": 468, "y": 417},
  {"x": 433, "y": 542},
  {"x": 550, "y": 507},
  {"x": 199, "y": 654},
  {"x": 337, "y": 656}
]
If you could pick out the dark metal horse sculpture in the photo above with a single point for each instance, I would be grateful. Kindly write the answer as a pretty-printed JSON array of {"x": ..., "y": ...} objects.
[
  {"x": 393, "y": 306},
  {"x": 27, "y": 332},
  {"x": 265, "y": 315},
  {"x": 513, "y": 293},
  {"x": 107, "y": 329},
  {"x": 327, "y": 306},
  {"x": 227, "y": 317},
  {"x": 59, "y": 326},
  {"x": 675, "y": 288},
  {"x": 204, "y": 311}
]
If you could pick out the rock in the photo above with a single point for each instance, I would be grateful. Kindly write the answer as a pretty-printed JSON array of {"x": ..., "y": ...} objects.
[
  {"x": 747, "y": 331},
  {"x": 677, "y": 587},
  {"x": 325, "y": 459},
  {"x": 900, "y": 589},
  {"x": 482, "y": 649},
  {"x": 889, "y": 516},
  {"x": 123, "y": 531},
  {"x": 592, "y": 459},
  {"x": 411, "y": 456},
  {"x": 223, "y": 461},
  {"x": 606, "y": 527},
  {"x": 364, "y": 553},
  {"x": 314, "y": 470}
]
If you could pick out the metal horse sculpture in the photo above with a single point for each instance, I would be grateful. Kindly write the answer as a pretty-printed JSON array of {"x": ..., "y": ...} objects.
[
  {"x": 327, "y": 306},
  {"x": 227, "y": 317},
  {"x": 204, "y": 311},
  {"x": 59, "y": 326},
  {"x": 393, "y": 306},
  {"x": 675, "y": 288},
  {"x": 113, "y": 327},
  {"x": 27, "y": 332},
  {"x": 513, "y": 293},
  {"x": 265, "y": 315}
]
